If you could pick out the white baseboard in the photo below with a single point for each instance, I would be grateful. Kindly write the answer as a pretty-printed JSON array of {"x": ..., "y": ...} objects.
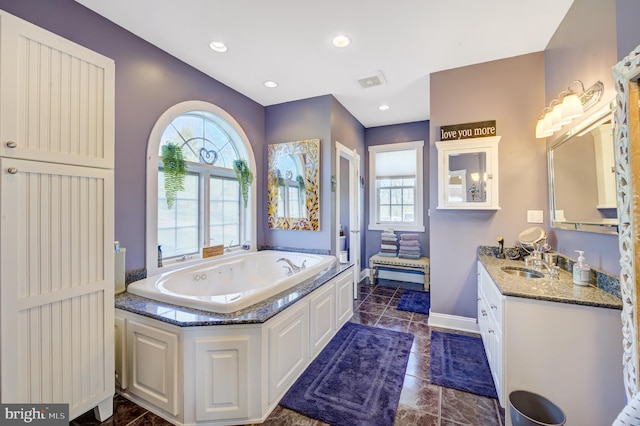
[{"x": 453, "y": 322}]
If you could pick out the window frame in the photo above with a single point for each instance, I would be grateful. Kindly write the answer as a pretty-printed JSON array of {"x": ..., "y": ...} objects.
[
  {"x": 154, "y": 163},
  {"x": 418, "y": 224}
]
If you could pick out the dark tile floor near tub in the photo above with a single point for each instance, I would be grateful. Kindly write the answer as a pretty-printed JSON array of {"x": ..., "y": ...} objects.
[{"x": 421, "y": 403}]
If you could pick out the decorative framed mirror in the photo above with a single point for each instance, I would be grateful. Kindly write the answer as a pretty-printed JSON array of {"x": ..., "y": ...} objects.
[
  {"x": 294, "y": 185},
  {"x": 627, "y": 157}
]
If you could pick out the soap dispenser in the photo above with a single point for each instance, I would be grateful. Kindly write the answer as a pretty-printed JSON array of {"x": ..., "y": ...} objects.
[{"x": 581, "y": 271}]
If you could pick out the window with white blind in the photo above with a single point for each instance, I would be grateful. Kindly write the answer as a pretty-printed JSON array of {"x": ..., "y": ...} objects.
[{"x": 396, "y": 186}]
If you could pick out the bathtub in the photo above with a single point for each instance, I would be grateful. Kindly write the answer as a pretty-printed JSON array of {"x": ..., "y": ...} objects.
[{"x": 231, "y": 283}]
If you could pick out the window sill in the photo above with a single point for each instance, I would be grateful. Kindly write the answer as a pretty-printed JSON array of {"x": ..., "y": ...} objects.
[
  {"x": 396, "y": 227},
  {"x": 173, "y": 264}
]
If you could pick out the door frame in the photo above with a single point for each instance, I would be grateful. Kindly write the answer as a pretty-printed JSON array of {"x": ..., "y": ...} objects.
[{"x": 354, "y": 209}]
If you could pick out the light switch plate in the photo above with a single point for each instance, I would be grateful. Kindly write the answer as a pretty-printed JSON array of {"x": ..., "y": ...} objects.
[{"x": 534, "y": 216}]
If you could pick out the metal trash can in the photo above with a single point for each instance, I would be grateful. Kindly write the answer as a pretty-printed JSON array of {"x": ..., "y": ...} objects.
[{"x": 530, "y": 409}]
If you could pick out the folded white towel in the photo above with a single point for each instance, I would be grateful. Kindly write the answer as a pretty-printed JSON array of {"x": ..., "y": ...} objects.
[{"x": 388, "y": 246}]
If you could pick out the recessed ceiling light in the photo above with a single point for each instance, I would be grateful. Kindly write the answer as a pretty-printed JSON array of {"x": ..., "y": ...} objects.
[
  {"x": 218, "y": 46},
  {"x": 270, "y": 83},
  {"x": 341, "y": 40},
  {"x": 383, "y": 107}
]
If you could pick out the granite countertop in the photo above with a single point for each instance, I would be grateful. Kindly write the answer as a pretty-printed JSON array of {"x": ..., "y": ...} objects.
[
  {"x": 255, "y": 314},
  {"x": 555, "y": 290}
]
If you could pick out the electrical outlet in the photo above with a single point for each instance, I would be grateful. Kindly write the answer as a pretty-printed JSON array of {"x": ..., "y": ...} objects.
[{"x": 534, "y": 216}]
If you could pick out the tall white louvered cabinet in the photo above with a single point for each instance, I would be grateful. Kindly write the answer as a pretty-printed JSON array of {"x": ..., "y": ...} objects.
[{"x": 56, "y": 221}]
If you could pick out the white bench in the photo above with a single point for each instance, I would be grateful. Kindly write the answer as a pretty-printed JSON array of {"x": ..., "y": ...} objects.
[{"x": 421, "y": 265}]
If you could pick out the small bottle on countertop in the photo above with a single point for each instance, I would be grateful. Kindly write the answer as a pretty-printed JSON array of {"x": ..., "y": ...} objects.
[{"x": 581, "y": 271}]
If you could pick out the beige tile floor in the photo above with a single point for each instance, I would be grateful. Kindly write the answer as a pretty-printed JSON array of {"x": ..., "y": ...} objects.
[{"x": 421, "y": 402}]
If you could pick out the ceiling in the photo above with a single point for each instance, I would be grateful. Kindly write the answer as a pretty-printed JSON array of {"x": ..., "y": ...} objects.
[{"x": 289, "y": 41}]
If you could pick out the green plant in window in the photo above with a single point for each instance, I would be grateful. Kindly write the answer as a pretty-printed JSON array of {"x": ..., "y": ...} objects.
[
  {"x": 279, "y": 178},
  {"x": 175, "y": 169},
  {"x": 300, "y": 181},
  {"x": 245, "y": 177}
]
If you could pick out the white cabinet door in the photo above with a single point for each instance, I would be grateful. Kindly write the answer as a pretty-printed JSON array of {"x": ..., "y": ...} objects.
[
  {"x": 491, "y": 306},
  {"x": 344, "y": 299},
  {"x": 288, "y": 339},
  {"x": 57, "y": 102},
  {"x": 153, "y": 365},
  {"x": 56, "y": 296},
  {"x": 120, "y": 338},
  {"x": 322, "y": 318},
  {"x": 222, "y": 378}
]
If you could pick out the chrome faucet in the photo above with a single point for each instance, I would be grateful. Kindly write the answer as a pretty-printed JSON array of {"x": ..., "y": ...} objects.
[
  {"x": 294, "y": 268},
  {"x": 554, "y": 270}
]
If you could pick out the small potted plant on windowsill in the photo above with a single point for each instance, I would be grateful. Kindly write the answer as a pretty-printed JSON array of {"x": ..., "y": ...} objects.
[
  {"x": 175, "y": 169},
  {"x": 245, "y": 177}
]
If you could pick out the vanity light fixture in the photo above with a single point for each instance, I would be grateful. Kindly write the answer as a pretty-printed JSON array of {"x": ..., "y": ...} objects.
[
  {"x": 270, "y": 84},
  {"x": 218, "y": 46},
  {"x": 568, "y": 106},
  {"x": 341, "y": 40}
]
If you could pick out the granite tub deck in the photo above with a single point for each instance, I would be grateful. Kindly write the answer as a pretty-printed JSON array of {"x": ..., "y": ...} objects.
[
  {"x": 555, "y": 290},
  {"x": 254, "y": 314}
]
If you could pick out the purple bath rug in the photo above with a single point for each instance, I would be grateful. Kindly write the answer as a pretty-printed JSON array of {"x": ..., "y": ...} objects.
[
  {"x": 355, "y": 380},
  {"x": 459, "y": 362},
  {"x": 415, "y": 301}
]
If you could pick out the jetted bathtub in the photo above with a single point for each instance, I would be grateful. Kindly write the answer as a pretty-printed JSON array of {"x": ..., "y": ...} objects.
[{"x": 231, "y": 284}]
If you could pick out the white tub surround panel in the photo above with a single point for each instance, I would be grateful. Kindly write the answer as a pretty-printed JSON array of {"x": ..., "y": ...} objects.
[
  {"x": 234, "y": 373},
  {"x": 56, "y": 221}
]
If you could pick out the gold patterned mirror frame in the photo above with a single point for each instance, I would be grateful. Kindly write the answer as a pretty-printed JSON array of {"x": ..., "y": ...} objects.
[
  {"x": 305, "y": 183},
  {"x": 627, "y": 153}
]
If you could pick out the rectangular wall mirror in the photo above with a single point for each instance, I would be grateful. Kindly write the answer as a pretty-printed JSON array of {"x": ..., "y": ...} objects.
[
  {"x": 582, "y": 179},
  {"x": 294, "y": 185}
]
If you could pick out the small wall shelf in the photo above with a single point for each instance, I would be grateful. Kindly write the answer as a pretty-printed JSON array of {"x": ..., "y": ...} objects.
[{"x": 468, "y": 174}]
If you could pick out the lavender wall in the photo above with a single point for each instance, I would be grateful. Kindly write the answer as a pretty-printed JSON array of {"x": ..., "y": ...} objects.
[
  {"x": 407, "y": 132},
  {"x": 347, "y": 130},
  {"x": 584, "y": 47},
  {"x": 325, "y": 118},
  {"x": 148, "y": 82},
  {"x": 293, "y": 121},
  {"x": 510, "y": 91},
  {"x": 628, "y": 30}
]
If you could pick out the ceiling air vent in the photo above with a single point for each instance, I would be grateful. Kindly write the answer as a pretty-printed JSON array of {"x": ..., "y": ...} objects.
[{"x": 371, "y": 80}]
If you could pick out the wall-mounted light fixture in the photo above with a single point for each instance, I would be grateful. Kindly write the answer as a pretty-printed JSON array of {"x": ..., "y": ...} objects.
[{"x": 566, "y": 107}]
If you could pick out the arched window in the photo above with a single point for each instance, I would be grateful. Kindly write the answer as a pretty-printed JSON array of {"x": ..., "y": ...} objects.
[{"x": 209, "y": 211}]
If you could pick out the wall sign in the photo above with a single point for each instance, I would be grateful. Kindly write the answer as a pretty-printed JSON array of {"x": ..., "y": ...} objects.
[{"x": 480, "y": 129}]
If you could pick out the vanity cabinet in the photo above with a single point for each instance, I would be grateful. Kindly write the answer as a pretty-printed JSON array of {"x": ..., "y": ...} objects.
[
  {"x": 568, "y": 353},
  {"x": 490, "y": 309},
  {"x": 468, "y": 174}
]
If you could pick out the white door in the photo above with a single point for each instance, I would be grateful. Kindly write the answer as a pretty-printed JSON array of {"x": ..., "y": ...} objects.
[{"x": 353, "y": 238}]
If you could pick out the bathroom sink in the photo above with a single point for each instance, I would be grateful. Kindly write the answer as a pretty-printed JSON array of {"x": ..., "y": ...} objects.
[{"x": 522, "y": 272}]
